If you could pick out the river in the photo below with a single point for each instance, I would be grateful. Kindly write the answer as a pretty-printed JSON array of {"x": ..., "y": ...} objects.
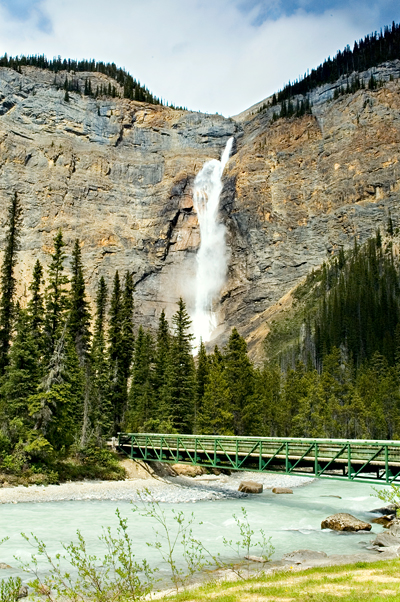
[{"x": 292, "y": 521}]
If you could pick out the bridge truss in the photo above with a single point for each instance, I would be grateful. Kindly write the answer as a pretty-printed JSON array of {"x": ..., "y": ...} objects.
[{"x": 352, "y": 460}]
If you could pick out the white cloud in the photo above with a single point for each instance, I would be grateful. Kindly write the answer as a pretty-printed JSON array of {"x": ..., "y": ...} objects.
[{"x": 202, "y": 54}]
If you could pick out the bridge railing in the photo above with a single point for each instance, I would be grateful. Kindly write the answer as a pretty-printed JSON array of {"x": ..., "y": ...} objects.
[{"x": 311, "y": 457}]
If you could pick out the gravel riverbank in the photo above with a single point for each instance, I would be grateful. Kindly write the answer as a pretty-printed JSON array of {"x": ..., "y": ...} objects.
[{"x": 168, "y": 489}]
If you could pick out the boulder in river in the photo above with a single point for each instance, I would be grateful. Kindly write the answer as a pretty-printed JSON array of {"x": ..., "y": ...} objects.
[
  {"x": 345, "y": 522},
  {"x": 188, "y": 470},
  {"x": 303, "y": 556},
  {"x": 278, "y": 490},
  {"x": 255, "y": 559},
  {"x": 390, "y": 509},
  {"x": 250, "y": 487},
  {"x": 3, "y": 565},
  {"x": 384, "y": 520}
]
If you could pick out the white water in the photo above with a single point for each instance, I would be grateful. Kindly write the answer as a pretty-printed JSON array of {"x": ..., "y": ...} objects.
[{"x": 212, "y": 257}]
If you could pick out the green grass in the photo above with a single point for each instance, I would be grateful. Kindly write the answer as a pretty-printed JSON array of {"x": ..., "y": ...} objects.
[{"x": 361, "y": 582}]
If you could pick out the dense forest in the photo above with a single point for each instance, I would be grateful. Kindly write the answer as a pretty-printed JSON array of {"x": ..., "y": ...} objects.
[
  {"x": 70, "y": 378},
  {"x": 132, "y": 88}
]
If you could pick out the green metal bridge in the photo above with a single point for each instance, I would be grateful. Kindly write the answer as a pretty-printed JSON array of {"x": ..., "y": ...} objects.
[{"x": 352, "y": 460}]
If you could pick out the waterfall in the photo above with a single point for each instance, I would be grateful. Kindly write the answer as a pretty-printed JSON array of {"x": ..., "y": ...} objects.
[{"x": 212, "y": 255}]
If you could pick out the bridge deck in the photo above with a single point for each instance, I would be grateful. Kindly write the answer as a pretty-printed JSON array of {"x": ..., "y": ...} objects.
[{"x": 355, "y": 460}]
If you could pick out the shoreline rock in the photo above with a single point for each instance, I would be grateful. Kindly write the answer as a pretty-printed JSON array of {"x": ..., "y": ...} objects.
[
  {"x": 345, "y": 522},
  {"x": 251, "y": 487}
]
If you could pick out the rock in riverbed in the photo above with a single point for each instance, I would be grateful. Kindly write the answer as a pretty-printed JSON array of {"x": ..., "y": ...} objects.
[
  {"x": 250, "y": 487},
  {"x": 303, "y": 556},
  {"x": 384, "y": 520},
  {"x": 188, "y": 470},
  {"x": 279, "y": 490},
  {"x": 344, "y": 522}
]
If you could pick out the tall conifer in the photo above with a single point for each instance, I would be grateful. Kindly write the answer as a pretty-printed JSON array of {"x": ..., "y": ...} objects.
[
  {"x": 79, "y": 313},
  {"x": 240, "y": 379},
  {"x": 162, "y": 370},
  {"x": 183, "y": 378},
  {"x": 56, "y": 295},
  {"x": 8, "y": 282},
  {"x": 102, "y": 418},
  {"x": 118, "y": 389},
  {"x": 36, "y": 304}
]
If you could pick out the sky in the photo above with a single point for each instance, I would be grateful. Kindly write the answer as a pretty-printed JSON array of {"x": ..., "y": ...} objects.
[{"x": 209, "y": 55}]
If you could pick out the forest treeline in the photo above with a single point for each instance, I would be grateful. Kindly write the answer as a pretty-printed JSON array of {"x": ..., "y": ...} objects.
[
  {"x": 371, "y": 51},
  {"x": 132, "y": 88},
  {"x": 71, "y": 377}
]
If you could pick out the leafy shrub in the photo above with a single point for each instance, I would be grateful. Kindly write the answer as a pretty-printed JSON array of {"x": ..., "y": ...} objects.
[{"x": 9, "y": 589}]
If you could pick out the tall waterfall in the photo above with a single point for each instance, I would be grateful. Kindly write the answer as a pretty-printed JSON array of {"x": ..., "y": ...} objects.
[{"x": 212, "y": 255}]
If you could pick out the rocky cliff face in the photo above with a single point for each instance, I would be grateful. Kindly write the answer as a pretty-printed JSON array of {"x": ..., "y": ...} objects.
[{"x": 117, "y": 174}]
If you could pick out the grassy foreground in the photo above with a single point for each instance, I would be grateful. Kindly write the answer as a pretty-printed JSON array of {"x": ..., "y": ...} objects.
[{"x": 367, "y": 582}]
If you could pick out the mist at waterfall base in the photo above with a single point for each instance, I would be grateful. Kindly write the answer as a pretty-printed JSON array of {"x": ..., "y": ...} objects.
[{"x": 212, "y": 257}]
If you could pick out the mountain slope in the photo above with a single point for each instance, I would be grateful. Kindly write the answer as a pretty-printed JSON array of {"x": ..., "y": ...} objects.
[{"x": 118, "y": 173}]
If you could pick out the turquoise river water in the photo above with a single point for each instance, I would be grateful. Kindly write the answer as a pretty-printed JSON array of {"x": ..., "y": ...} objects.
[{"x": 292, "y": 521}]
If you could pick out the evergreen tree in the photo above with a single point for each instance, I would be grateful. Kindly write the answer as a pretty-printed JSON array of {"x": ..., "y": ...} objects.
[
  {"x": 128, "y": 339},
  {"x": 162, "y": 370},
  {"x": 142, "y": 412},
  {"x": 240, "y": 379},
  {"x": 183, "y": 379},
  {"x": 8, "y": 282},
  {"x": 118, "y": 379},
  {"x": 215, "y": 416},
  {"x": 57, "y": 407},
  {"x": 36, "y": 305},
  {"x": 201, "y": 377},
  {"x": 79, "y": 313},
  {"x": 56, "y": 296},
  {"x": 102, "y": 416},
  {"x": 265, "y": 416},
  {"x": 23, "y": 372}
]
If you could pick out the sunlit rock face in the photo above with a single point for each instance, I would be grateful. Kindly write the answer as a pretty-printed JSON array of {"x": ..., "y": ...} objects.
[{"x": 119, "y": 175}]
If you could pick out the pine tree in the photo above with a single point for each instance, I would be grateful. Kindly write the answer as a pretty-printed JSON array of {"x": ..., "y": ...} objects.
[
  {"x": 79, "y": 313},
  {"x": 183, "y": 380},
  {"x": 128, "y": 339},
  {"x": 23, "y": 372},
  {"x": 8, "y": 282},
  {"x": 102, "y": 417},
  {"x": 36, "y": 305},
  {"x": 215, "y": 417},
  {"x": 57, "y": 407},
  {"x": 56, "y": 296},
  {"x": 240, "y": 379},
  {"x": 263, "y": 416},
  {"x": 118, "y": 381},
  {"x": 201, "y": 378},
  {"x": 162, "y": 370},
  {"x": 142, "y": 412},
  {"x": 121, "y": 345}
]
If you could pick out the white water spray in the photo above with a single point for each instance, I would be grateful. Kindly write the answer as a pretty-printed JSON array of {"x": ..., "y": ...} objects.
[{"x": 212, "y": 254}]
